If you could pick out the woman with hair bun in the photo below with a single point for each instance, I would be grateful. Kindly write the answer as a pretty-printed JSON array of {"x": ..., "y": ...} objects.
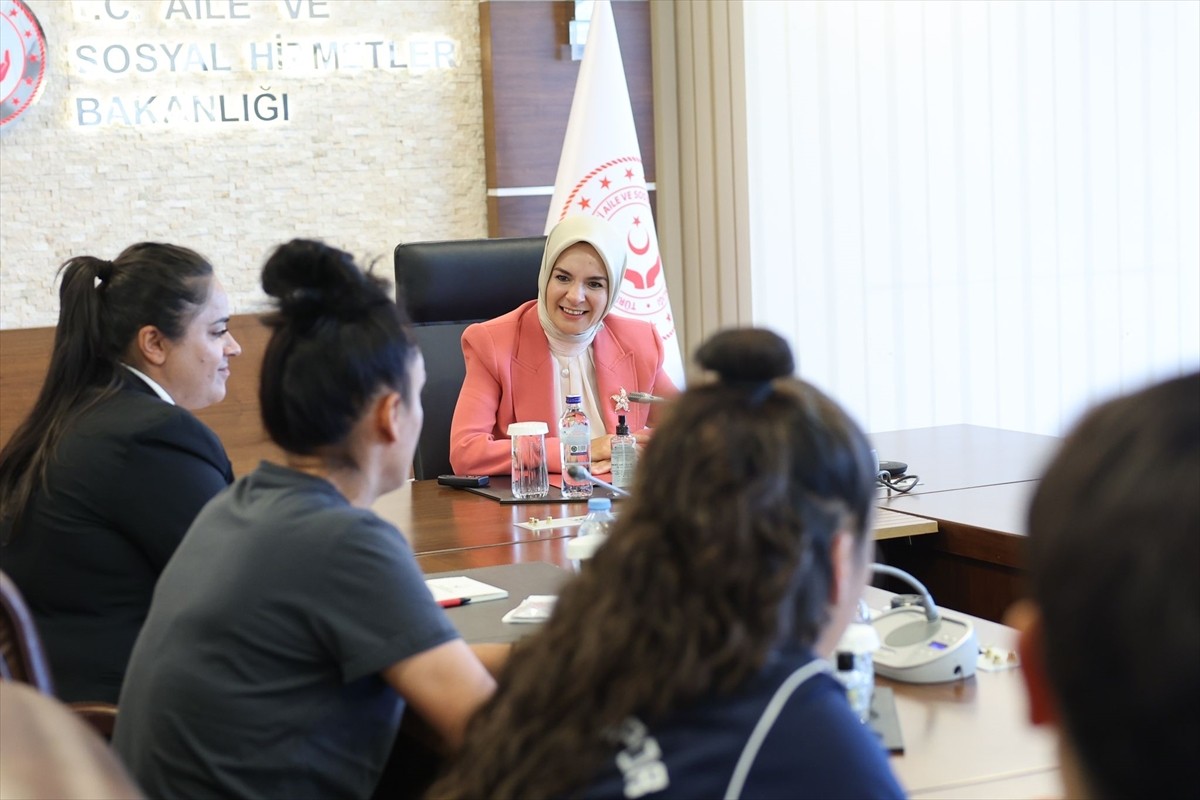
[
  {"x": 293, "y": 625},
  {"x": 687, "y": 660},
  {"x": 102, "y": 479}
]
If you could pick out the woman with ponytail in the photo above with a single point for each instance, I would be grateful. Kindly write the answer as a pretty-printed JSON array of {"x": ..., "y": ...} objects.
[
  {"x": 102, "y": 479},
  {"x": 687, "y": 659},
  {"x": 293, "y": 625}
]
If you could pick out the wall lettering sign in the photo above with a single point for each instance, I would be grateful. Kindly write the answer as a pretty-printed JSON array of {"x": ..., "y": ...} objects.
[{"x": 213, "y": 62}]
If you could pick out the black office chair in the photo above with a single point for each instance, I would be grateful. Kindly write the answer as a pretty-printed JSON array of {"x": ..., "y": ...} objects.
[{"x": 447, "y": 286}]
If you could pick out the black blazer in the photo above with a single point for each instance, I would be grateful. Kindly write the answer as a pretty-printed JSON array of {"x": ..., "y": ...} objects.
[{"x": 127, "y": 480}]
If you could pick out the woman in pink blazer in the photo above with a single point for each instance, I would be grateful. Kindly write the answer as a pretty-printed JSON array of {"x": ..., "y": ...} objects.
[{"x": 521, "y": 365}]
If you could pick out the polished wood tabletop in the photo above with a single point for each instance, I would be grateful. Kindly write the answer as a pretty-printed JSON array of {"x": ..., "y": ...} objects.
[
  {"x": 967, "y": 738},
  {"x": 982, "y": 522},
  {"x": 976, "y": 560},
  {"x": 951, "y": 457},
  {"x": 976, "y": 483},
  {"x": 964, "y": 739},
  {"x": 974, "y": 732},
  {"x": 438, "y": 518}
]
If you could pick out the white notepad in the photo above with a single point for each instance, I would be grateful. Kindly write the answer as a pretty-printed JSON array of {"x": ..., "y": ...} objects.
[
  {"x": 461, "y": 588},
  {"x": 535, "y": 608}
]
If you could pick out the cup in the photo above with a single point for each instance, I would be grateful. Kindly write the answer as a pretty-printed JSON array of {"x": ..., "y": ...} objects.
[{"x": 530, "y": 480}]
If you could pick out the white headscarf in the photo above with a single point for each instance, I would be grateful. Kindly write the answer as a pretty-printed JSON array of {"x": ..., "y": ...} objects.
[{"x": 608, "y": 243}]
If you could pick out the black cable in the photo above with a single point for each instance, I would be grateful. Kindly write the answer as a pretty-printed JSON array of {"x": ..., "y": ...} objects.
[{"x": 901, "y": 485}]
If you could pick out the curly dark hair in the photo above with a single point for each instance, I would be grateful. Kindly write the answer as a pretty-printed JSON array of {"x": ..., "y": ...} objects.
[{"x": 723, "y": 555}]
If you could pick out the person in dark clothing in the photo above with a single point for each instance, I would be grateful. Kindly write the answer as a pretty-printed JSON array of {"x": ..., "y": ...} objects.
[
  {"x": 293, "y": 626},
  {"x": 687, "y": 659},
  {"x": 103, "y": 478}
]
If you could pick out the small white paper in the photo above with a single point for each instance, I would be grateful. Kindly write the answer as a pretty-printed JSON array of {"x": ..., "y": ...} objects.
[
  {"x": 460, "y": 587},
  {"x": 535, "y": 524},
  {"x": 535, "y": 608}
]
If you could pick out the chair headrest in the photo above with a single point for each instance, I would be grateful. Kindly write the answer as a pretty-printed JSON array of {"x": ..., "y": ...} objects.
[{"x": 467, "y": 280}]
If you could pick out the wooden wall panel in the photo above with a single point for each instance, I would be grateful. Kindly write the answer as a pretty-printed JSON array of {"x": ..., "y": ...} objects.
[
  {"x": 24, "y": 355},
  {"x": 518, "y": 216},
  {"x": 528, "y": 85},
  {"x": 527, "y": 213}
]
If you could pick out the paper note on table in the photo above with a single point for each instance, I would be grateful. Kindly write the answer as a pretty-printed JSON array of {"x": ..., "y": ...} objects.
[
  {"x": 535, "y": 608},
  {"x": 535, "y": 524},
  {"x": 460, "y": 587}
]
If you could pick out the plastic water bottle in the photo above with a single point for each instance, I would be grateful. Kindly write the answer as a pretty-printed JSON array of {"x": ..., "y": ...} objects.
[
  {"x": 593, "y": 531},
  {"x": 857, "y": 674},
  {"x": 599, "y": 519},
  {"x": 624, "y": 455},
  {"x": 575, "y": 443},
  {"x": 855, "y": 669}
]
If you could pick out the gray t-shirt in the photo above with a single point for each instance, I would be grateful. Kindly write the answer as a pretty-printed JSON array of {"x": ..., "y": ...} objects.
[{"x": 257, "y": 671}]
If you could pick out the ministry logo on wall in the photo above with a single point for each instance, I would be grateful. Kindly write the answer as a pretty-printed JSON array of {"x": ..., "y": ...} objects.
[{"x": 22, "y": 59}]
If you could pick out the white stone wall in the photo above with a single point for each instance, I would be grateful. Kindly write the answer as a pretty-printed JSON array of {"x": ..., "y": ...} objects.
[{"x": 372, "y": 154}]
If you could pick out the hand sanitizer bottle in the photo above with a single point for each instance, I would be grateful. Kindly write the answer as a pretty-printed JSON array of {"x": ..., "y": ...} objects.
[{"x": 624, "y": 455}]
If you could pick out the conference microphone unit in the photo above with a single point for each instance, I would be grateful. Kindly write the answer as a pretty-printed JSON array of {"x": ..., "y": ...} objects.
[
  {"x": 931, "y": 609},
  {"x": 643, "y": 397},
  {"x": 580, "y": 474},
  {"x": 923, "y": 644}
]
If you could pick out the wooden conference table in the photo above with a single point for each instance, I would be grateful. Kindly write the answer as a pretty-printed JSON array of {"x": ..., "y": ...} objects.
[
  {"x": 455, "y": 529},
  {"x": 964, "y": 739},
  {"x": 976, "y": 483}
]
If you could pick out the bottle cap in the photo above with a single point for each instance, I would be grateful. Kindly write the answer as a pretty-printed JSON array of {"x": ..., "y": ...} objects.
[
  {"x": 599, "y": 504},
  {"x": 845, "y": 661},
  {"x": 860, "y": 637},
  {"x": 622, "y": 428},
  {"x": 574, "y": 399},
  {"x": 516, "y": 429}
]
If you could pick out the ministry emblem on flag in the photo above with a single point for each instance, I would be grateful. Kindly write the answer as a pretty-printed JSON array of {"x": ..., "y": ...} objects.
[{"x": 616, "y": 192}]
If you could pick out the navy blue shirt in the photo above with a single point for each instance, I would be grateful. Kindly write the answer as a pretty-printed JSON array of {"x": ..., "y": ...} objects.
[{"x": 815, "y": 747}]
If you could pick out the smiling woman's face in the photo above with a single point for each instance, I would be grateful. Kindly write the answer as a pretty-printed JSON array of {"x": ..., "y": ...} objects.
[
  {"x": 578, "y": 290},
  {"x": 197, "y": 364}
]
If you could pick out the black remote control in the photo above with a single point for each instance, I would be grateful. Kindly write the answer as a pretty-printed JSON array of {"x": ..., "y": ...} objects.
[{"x": 461, "y": 481}]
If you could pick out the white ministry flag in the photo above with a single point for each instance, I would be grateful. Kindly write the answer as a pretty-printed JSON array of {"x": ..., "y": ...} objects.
[{"x": 600, "y": 173}]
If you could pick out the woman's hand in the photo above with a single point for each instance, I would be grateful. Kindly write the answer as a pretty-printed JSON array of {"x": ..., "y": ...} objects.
[
  {"x": 602, "y": 450},
  {"x": 601, "y": 455}
]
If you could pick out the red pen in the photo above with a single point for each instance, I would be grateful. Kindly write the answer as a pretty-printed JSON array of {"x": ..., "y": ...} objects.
[{"x": 454, "y": 602}]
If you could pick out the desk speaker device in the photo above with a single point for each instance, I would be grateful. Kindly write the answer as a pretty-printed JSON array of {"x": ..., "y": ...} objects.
[{"x": 922, "y": 643}]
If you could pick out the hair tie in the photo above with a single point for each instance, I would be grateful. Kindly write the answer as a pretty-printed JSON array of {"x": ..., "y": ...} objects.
[
  {"x": 104, "y": 271},
  {"x": 757, "y": 391},
  {"x": 303, "y": 295}
]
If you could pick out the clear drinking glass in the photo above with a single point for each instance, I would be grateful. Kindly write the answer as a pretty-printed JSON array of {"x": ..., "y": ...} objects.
[{"x": 530, "y": 480}]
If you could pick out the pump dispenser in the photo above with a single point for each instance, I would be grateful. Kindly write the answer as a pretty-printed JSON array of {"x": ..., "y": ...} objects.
[{"x": 624, "y": 455}]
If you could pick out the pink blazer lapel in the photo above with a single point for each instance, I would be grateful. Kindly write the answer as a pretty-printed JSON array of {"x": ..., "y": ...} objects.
[
  {"x": 614, "y": 370},
  {"x": 533, "y": 381}
]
